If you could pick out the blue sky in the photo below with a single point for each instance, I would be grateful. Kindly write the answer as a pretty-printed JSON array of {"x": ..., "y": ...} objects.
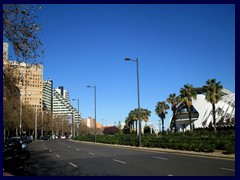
[{"x": 175, "y": 44}]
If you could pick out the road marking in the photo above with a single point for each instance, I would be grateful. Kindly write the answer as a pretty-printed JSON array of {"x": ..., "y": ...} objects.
[
  {"x": 69, "y": 146},
  {"x": 50, "y": 150},
  {"x": 72, "y": 164},
  {"x": 77, "y": 149},
  {"x": 119, "y": 161},
  {"x": 170, "y": 175},
  {"x": 156, "y": 157},
  {"x": 92, "y": 154},
  {"x": 58, "y": 155},
  {"x": 228, "y": 169}
]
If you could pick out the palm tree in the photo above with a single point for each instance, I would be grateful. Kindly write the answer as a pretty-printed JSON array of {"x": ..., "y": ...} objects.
[
  {"x": 174, "y": 100},
  {"x": 133, "y": 115},
  {"x": 129, "y": 123},
  {"x": 161, "y": 111},
  {"x": 213, "y": 95},
  {"x": 187, "y": 94},
  {"x": 145, "y": 114}
]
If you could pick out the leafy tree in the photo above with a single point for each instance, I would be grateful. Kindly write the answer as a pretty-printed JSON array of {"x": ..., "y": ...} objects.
[
  {"x": 160, "y": 110},
  {"x": 213, "y": 95},
  {"x": 174, "y": 100},
  {"x": 110, "y": 130},
  {"x": 187, "y": 93},
  {"x": 147, "y": 129},
  {"x": 21, "y": 30},
  {"x": 11, "y": 100}
]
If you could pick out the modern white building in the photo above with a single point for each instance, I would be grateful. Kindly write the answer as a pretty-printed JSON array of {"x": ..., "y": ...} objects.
[
  {"x": 202, "y": 112},
  {"x": 57, "y": 101}
]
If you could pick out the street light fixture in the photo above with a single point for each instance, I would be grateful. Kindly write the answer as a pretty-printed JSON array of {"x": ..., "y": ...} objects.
[
  {"x": 78, "y": 116},
  {"x": 94, "y": 110},
  {"x": 136, "y": 60}
]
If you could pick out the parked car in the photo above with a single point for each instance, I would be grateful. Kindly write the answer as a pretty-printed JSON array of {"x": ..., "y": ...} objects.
[
  {"x": 16, "y": 154},
  {"x": 63, "y": 137},
  {"x": 45, "y": 137}
]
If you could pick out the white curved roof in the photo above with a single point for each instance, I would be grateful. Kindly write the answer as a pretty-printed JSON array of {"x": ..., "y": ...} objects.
[{"x": 225, "y": 110}]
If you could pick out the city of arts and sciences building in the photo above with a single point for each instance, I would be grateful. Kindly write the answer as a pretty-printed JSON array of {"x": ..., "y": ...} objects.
[{"x": 202, "y": 112}]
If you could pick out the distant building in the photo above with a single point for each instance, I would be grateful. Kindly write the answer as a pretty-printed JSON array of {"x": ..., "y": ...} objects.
[
  {"x": 58, "y": 101},
  {"x": 90, "y": 122}
]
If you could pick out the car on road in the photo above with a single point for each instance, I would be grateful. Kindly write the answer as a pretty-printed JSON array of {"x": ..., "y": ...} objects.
[{"x": 63, "y": 137}]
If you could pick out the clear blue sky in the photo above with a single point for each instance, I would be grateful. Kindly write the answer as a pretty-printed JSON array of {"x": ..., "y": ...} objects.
[{"x": 175, "y": 45}]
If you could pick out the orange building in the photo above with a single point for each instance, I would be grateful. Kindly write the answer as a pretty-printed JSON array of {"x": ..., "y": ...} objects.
[{"x": 89, "y": 122}]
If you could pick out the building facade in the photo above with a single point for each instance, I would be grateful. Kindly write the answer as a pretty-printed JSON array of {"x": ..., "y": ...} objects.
[{"x": 202, "y": 112}]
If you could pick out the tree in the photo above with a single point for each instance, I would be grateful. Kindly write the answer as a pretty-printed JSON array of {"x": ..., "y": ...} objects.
[
  {"x": 133, "y": 115},
  {"x": 213, "y": 95},
  {"x": 21, "y": 30},
  {"x": 160, "y": 110},
  {"x": 128, "y": 123},
  {"x": 174, "y": 100},
  {"x": 187, "y": 93},
  {"x": 110, "y": 130},
  {"x": 11, "y": 100},
  {"x": 147, "y": 130}
]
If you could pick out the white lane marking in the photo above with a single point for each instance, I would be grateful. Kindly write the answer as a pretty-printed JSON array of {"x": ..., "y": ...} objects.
[
  {"x": 58, "y": 155},
  {"x": 92, "y": 154},
  {"x": 228, "y": 169},
  {"x": 72, "y": 164},
  {"x": 119, "y": 161},
  {"x": 69, "y": 146},
  {"x": 170, "y": 175},
  {"x": 156, "y": 157},
  {"x": 50, "y": 150},
  {"x": 77, "y": 149}
]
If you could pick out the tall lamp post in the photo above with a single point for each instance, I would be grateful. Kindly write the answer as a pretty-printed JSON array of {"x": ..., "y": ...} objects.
[
  {"x": 94, "y": 110},
  {"x": 136, "y": 60},
  {"x": 78, "y": 115}
]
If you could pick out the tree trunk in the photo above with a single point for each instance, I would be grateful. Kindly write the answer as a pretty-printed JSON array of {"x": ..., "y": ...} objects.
[
  {"x": 162, "y": 126},
  {"x": 174, "y": 116},
  {"x": 136, "y": 127},
  {"x": 190, "y": 118},
  {"x": 214, "y": 117}
]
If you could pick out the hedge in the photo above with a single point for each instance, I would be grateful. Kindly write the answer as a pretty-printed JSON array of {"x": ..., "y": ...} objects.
[{"x": 200, "y": 141}]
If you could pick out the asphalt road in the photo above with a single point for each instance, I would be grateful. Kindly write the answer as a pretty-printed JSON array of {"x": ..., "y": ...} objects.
[{"x": 73, "y": 158}]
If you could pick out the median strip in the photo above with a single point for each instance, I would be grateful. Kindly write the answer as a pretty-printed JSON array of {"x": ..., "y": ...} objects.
[
  {"x": 119, "y": 161},
  {"x": 72, "y": 164}
]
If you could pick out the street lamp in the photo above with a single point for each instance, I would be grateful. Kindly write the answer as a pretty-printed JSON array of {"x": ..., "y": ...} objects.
[
  {"x": 94, "y": 110},
  {"x": 136, "y": 60},
  {"x": 78, "y": 115}
]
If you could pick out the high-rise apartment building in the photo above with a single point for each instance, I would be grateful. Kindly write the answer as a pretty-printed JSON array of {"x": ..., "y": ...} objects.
[
  {"x": 58, "y": 101},
  {"x": 30, "y": 80}
]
